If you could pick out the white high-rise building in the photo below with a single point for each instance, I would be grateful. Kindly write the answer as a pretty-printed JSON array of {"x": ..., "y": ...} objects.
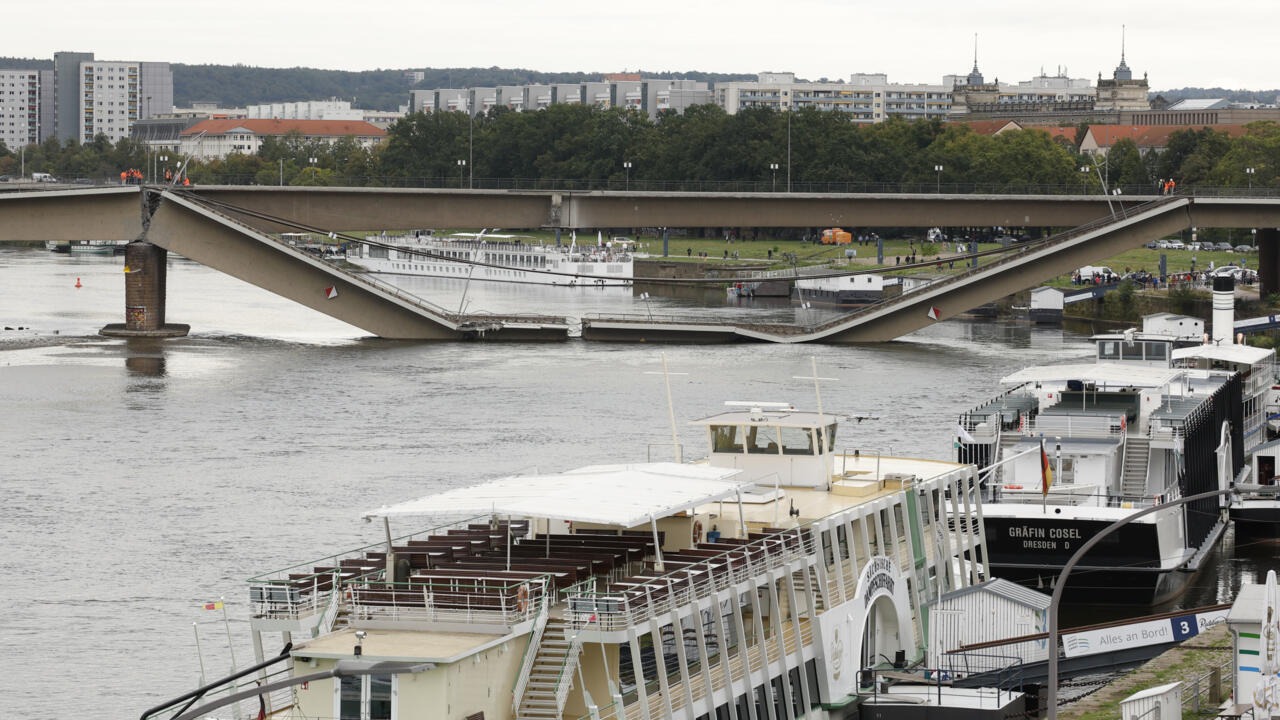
[
  {"x": 115, "y": 94},
  {"x": 19, "y": 108}
]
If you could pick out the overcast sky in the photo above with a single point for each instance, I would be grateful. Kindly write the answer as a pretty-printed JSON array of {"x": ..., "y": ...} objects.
[{"x": 1177, "y": 43}]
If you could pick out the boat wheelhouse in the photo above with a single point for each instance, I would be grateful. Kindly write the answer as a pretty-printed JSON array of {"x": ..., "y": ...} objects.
[{"x": 758, "y": 583}]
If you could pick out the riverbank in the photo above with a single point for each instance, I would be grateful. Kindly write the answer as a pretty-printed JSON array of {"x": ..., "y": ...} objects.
[{"x": 1202, "y": 663}]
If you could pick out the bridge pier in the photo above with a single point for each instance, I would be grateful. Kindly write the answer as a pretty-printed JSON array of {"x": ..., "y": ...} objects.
[
  {"x": 1268, "y": 262},
  {"x": 146, "y": 275}
]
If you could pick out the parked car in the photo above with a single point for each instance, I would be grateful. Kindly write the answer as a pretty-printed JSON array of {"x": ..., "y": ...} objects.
[
  {"x": 1244, "y": 248},
  {"x": 1223, "y": 247},
  {"x": 1234, "y": 271},
  {"x": 5, "y": 178}
]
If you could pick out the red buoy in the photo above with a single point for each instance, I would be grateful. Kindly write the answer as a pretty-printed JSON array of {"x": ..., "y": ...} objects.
[{"x": 77, "y": 282}]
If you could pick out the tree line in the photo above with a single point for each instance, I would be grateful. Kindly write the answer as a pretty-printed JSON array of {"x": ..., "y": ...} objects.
[{"x": 704, "y": 148}]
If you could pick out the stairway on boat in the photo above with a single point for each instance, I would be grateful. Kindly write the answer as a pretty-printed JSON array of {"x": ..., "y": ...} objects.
[
  {"x": 1137, "y": 453},
  {"x": 552, "y": 666}
]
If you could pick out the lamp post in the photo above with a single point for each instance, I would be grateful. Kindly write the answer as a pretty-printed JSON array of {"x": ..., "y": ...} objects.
[
  {"x": 938, "y": 169},
  {"x": 626, "y": 165},
  {"x": 788, "y": 149},
  {"x": 155, "y": 168},
  {"x": 1249, "y": 174},
  {"x": 461, "y": 164},
  {"x": 1084, "y": 179},
  {"x": 773, "y": 170}
]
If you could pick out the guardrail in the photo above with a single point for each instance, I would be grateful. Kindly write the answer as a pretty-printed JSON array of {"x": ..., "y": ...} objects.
[
  {"x": 479, "y": 600},
  {"x": 617, "y": 610}
]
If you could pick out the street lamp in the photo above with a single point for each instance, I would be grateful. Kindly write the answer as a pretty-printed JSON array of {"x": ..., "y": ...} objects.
[
  {"x": 1249, "y": 173},
  {"x": 626, "y": 165},
  {"x": 773, "y": 170},
  {"x": 461, "y": 164},
  {"x": 938, "y": 169},
  {"x": 1084, "y": 179},
  {"x": 155, "y": 169}
]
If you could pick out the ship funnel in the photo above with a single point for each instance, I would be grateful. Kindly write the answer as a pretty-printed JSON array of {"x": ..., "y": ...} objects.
[{"x": 1224, "y": 305}]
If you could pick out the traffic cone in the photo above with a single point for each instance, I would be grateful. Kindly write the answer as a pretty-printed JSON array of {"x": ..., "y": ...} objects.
[{"x": 77, "y": 282}]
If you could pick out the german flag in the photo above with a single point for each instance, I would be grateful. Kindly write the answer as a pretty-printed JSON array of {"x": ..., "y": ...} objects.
[
  {"x": 215, "y": 605},
  {"x": 1046, "y": 470}
]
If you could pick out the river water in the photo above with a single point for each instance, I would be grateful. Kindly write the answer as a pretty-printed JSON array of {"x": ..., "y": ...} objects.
[{"x": 142, "y": 479}]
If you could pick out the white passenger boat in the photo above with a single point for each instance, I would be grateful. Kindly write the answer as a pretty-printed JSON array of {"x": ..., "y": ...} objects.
[
  {"x": 96, "y": 247},
  {"x": 758, "y": 583},
  {"x": 498, "y": 258},
  {"x": 1069, "y": 449}
]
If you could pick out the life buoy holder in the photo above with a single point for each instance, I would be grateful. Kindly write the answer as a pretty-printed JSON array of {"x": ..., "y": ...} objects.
[
  {"x": 522, "y": 598},
  {"x": 697, "y": 531}
]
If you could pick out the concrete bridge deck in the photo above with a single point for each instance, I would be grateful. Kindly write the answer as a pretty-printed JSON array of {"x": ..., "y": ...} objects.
[{"x": 226, "y": 229}]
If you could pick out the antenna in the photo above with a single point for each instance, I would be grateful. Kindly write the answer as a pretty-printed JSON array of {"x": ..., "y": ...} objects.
[
  {"x": 817, "y": 391},
  {"x": 975, "y": 51},
  {"x": 671, "y": 409},
  {"x": 1122, "y": 44}
]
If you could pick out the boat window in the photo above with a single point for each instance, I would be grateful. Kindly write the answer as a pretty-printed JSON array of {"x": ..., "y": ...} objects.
[
  {"x": 797, "y": 441},
  {"x": 1157, "y": 351},
  {"x": 830, "y": 437},
  {"x": 724, "y": 438},
  {"x": 1109, "y": 350},
  {"x": 762, "y": 440}
]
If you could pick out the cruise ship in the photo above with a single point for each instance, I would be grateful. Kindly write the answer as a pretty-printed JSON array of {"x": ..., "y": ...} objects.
[
  {"x": 497, "y": 258},
  {"x": 780, "y": 577}
]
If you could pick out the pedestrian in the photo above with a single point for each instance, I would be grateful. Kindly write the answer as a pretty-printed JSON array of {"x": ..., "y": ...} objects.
[{"x": 689, "y": 252}]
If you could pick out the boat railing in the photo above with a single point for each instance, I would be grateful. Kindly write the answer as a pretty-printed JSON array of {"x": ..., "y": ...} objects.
[
  {"x": 620, "y": 609},
  {"x": 961, "y": 663},
  {"x": 1060, "y": 424},
  {"x": 303, "y": 589},
  {"x": 872, "y": 682},
  {"x": 479, "y": 600}
]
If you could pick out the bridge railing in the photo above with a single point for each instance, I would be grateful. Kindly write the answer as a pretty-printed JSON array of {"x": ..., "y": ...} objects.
[
  {"x": 1007, "y": 258},
  {"x": 621, "y": 184}
]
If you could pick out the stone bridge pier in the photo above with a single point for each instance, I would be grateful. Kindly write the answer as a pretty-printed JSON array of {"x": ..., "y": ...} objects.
[{"x": 146, "y": 272}]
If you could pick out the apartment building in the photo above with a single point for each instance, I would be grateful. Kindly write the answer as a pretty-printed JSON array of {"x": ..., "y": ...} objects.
[
  {"x": 20, "y": 107},
  {"x": 116, "y": 94},
  {"x": 867, "y": 97},
  {"x": 648, "y": 96}
]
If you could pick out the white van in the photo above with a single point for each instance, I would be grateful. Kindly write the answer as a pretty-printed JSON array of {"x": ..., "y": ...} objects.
[
  {"x": 1102, "y": 271},
  {"x": 43, "y": 177}
]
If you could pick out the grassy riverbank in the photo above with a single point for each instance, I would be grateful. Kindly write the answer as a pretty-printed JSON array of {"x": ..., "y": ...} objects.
[{"x": 1196, "y": 663}]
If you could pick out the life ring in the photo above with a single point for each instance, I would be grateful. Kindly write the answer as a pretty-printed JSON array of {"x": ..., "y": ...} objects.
[
  {"x": 697, "y": 531},
  {"x": 1012, "y": 487},
  {"x": 522, "y": 598}
]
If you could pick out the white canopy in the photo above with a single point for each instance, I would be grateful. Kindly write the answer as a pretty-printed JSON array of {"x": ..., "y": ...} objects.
[
  {"x": 1226, "y": 353},
  {"x": 618, "y": 495},
  {"x": 1112, "y": 374}
]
